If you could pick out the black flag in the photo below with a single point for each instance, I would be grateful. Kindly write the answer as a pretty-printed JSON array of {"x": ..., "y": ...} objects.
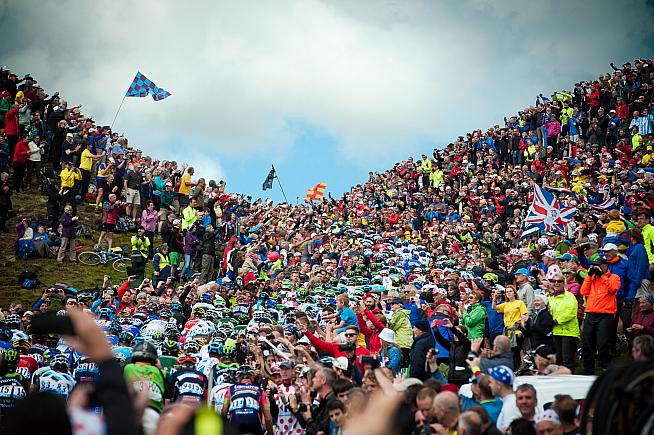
[{"x": 267, "y": 184}]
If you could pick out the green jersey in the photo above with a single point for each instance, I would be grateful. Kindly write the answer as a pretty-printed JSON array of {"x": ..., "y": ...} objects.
[{"x": 143, "y": 375}]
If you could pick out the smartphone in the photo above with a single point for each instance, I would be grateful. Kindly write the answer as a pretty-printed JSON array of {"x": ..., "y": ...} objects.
[{"x": 51, "y": 323}]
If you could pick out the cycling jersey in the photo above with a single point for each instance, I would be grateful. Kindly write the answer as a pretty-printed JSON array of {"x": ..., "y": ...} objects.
[
  {"x": 217, "y": 396},
  {"x": 86, "y": 371},
  {"x": 143, "y": 375},
  {"x": 56, "y": 382},
  {"x": 246, "y": 405},
  {"x": 206, "y": 365},
  {"x": 13, "y": 387},
  {"x": 188, "y": 385},
  {"x": 27, "y": 366}
]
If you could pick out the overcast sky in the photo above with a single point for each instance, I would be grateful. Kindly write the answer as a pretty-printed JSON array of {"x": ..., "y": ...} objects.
[{"x": 324, "y": 90}]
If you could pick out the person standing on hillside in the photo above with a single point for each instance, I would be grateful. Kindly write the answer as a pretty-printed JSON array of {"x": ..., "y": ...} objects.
[
  {"x": 132, "y": 185},
  {"x": 68, "y": 228},
  {"x": 185, "y": 186}
]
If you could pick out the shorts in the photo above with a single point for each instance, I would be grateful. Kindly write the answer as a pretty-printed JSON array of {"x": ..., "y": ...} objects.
[
  {"x": 133, "y": 196},
  {"x": 110, "y": 228},
  {"x": 175, "y": 258},
  {"x": 164, "y": 212}
]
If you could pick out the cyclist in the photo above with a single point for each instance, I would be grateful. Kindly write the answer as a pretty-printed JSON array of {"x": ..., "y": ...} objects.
[
  {"x": 169, "y": 355},
  {"x": 246, "y": 405},
  {"x": 56, "y": 378},
  {"x": 225, "y": 378},
  {"x": 188, "y": 384},
  {"x": 85, "y": 371},
  {"x": 13, "y": 385},
  {"x": 27, "y": 364},
  {"x": 206, "y": 364},
  {"x": 143, "y": 372}
]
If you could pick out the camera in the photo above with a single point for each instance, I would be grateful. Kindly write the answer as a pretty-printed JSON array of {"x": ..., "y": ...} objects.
[{"x": 472, "y": 355}]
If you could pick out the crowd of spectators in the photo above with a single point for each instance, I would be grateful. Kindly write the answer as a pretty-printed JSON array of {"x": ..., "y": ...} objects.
[{"x": 369, "y": 310}]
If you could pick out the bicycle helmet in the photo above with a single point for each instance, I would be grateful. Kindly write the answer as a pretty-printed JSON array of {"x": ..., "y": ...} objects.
[
  {"x": 215, "y": 348},
  {"x": 245, "y": 372},
  {"x": 158, "y": 337},
  {"x": 170, "y": 348},
  {"x": 12, "y": 357},
  {"x": 22, "y": 345},
  {"x": 144, "y": 352},
  {"x": 105, "y": 313},
  {"x": 206, "y": 298},
  {"x": 60, "y": 362},
  {"x": 192, "y": 346},
  {"x": 49, "y": 354},
  {"x": 5, "y": 334},
  {"x": 165, "y": 313},
  {"x": 13, "y": 321},
  {"x": 52, "y": 340},
  {"x": 197, "y": 312},
  {"x": 229, "y": 348},
  {"x": 172, "y": 334},
  {"x": 175, "y": 305},
  {"x": 126, "y": 337},
  {"x": 187, "y": 360}
]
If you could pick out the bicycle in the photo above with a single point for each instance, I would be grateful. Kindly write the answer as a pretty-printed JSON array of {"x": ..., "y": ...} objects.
[{"x": 116, "y": 257}]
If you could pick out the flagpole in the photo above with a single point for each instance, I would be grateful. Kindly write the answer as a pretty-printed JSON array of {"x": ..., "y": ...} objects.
[
  {"x": 116, "y": 116},
  {"x": 280, "y": 185}
]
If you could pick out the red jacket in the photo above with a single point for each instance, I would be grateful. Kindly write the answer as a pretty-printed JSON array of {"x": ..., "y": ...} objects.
[
  {"x": 21, "y": 153},
  {"x": 11, "y": 122},
  {"x": 373, "y": 334},
  {"x": 331, "y": 349}
]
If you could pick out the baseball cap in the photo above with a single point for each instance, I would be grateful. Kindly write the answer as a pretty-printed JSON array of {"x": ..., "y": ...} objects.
[
  {"x": 522, "y": 271},
  {"x": 502, "y": 374},
  {"x": 609, "y": 247},
  {"x": 397, "y": 300},
  {"x": 286, "y": 365}
]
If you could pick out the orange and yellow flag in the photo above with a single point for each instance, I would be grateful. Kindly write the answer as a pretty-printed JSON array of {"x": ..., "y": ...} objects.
[{"x": 316, "y": 192}]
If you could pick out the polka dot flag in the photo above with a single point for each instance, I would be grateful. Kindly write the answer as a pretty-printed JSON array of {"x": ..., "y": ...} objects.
[{"x": 142, "y": 87}]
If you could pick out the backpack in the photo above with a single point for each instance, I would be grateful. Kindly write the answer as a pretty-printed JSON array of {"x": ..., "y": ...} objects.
[
  {"x": 28, "y": 279},
  {"x": 121, "y": 225},
  {"x": 83, "y": 231}
]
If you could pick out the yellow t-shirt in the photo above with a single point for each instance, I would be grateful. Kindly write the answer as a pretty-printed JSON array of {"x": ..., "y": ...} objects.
[
  {"x": 513, "y": 311},
  {"x": 183, "y": 188},
  {"x": 86, "y": 162}
]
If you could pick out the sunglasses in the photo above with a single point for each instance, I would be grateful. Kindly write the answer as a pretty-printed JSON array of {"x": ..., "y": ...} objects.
[
  {"x": 557, "y": 281},
  {"x": 350, "y": 335}
]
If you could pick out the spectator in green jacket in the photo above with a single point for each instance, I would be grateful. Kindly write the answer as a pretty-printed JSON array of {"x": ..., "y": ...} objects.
[
  {"x": 563, "y": 307},
  {"x": 401, "y": 325},
  {"x": 474, "y": 318}
]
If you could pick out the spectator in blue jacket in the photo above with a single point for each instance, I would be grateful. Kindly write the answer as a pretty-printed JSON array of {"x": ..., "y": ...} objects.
[{"x": 638, "y": 265}]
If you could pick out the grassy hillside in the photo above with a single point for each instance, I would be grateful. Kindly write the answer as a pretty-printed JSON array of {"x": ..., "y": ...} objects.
[{"x": 78, "y": 275}]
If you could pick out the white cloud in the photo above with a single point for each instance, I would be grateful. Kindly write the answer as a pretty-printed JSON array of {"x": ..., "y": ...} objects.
[{"x": 382, "y": 77}]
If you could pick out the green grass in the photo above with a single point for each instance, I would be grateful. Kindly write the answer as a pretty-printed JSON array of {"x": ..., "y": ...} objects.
[{"x": 33, "y": 205}]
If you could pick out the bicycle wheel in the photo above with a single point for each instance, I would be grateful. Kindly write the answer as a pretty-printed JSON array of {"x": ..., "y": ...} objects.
[
  {"x": 120, "y": 264},
  {"x": 89, "y": 258}
]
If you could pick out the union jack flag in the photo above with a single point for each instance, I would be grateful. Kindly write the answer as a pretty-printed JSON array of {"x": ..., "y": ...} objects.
[{"x": 547, "y": 213}]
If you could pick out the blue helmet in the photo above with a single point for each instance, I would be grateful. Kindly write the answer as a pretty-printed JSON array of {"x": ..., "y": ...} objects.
[{"x": 206, "y": 298}]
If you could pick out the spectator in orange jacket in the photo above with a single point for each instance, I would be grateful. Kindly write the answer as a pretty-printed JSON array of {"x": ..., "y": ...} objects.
[{"x": 600, "y": 288}]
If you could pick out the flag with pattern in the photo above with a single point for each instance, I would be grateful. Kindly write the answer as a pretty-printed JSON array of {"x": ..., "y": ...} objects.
[
  {"x": 316, "y": 192},
  {"x": 142, "y": 87},
  {"x": 547, "y": 213}
]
